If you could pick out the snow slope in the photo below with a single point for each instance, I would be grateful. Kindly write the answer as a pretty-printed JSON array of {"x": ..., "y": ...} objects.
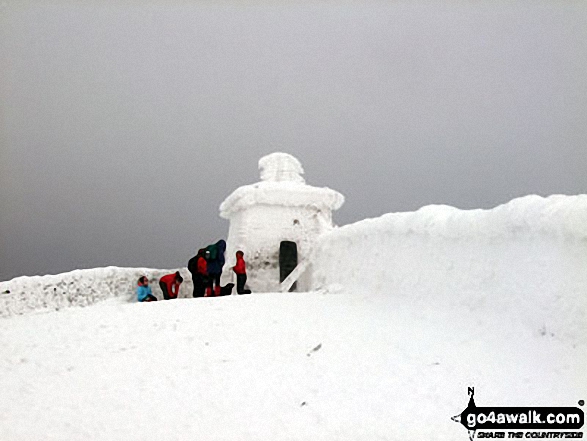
[
  {"x": 412, "y": 309},
  {"x": 313, "y": 366}
]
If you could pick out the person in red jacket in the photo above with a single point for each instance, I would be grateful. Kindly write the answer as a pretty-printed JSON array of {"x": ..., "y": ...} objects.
[
  {"x": 241, "y": 273},
  {"x": 198, "y": 267},
  {"x": 170, "y": 285}
]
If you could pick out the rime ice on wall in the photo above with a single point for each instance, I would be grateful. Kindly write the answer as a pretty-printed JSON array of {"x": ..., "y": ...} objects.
[
  {"x": 79, "y": 288},
  {"x": 524, "y": 261},
  {"x": 279, "y": 208}
]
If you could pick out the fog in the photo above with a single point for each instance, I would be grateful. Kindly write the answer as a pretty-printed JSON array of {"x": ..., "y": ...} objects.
[{"x": 123, "y": 126}]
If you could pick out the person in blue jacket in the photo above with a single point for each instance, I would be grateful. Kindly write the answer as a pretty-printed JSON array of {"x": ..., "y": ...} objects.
[
  {"x": 144, "y": 293},
  {"x": 215, "y": 265}
]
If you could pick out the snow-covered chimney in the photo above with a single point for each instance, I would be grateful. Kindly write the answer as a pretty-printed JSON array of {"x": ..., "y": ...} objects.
[{"x": 275, "y": 222}]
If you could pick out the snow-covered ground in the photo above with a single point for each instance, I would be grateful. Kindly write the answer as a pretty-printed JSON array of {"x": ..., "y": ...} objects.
[
  {"x": 248, "y": 368},
  {"x": 412, "y": 308}
]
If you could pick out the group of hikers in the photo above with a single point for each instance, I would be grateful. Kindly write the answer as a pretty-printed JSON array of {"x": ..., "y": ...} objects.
[{"x": 206, "y": 270}]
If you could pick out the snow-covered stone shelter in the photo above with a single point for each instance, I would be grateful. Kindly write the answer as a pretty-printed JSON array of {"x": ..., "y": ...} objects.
[{"x": 276, "y": 222}]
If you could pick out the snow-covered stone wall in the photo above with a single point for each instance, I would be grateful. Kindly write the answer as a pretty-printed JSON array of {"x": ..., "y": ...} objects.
[
  {"x": 80, "y": 288},
  {"x": 525, "y": 260},
  {"x": 528, "y": 255}
]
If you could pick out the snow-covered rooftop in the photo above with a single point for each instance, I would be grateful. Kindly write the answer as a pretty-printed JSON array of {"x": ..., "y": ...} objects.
[{"x": 281, "y": 184}]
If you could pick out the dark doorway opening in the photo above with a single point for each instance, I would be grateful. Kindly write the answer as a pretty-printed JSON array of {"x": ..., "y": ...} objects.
[{"x": 288, "y": 260}]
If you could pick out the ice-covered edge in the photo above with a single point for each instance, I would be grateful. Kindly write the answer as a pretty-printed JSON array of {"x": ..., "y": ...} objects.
[{"x": 558, "y": 215}]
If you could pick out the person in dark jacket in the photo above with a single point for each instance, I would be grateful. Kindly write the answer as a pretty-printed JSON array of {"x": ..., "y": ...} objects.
[
  {"x": 197, "y": 277},
  {"x": 203, "y": 270},
  {"x": 144, "y": 293},
  {"x": 240, "y": 270},
  {"x": 215, "y": 264},
  {"x": 170, "y": 285}
]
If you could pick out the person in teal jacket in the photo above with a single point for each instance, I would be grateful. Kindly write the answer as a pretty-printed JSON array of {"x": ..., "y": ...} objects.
[
  {"x": 215, "y": 264},
  {"x": 144, "y": 293}
]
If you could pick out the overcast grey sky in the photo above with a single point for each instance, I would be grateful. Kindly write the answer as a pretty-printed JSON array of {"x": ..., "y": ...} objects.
[{"x": 123, "y": 125}]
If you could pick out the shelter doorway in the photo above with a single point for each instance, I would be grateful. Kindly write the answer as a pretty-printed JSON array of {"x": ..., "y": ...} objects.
[{"x": 288, "y": 260}]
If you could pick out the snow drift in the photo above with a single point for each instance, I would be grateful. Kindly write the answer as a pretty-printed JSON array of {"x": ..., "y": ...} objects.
[{"x": 523, "y": 261}]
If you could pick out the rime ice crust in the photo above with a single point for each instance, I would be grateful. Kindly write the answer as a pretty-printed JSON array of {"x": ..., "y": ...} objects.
[
  {"x": 524, "y": 261},
  {"x": 527, "y": 255},
  {"x": 281, "y": 184},
  {"x": 281, "y": 207},
  {"x": 559, "y": 216},
  {"x": 279, "y": 167},
  {"x": 81, "y": 287},
  {"x": 285, "y": 194}
]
